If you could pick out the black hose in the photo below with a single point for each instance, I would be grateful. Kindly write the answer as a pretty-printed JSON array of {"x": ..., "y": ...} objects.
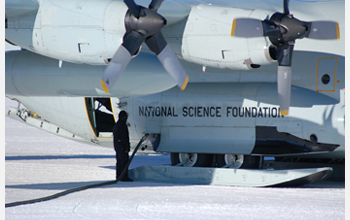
[{"x": 77, "y": 189}]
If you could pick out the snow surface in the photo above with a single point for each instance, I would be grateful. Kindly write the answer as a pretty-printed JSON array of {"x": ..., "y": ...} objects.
[{"x": 39, "y": 164}]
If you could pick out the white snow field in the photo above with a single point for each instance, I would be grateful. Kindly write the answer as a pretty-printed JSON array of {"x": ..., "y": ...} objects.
[{"x": 39, "y": 164}]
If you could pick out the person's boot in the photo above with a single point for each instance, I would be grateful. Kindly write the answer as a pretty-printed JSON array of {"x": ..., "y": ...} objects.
[{"x": 126, "y": 179}]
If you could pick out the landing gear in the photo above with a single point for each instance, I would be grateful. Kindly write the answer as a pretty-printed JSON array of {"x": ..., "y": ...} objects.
[
  {"x": 213, "y": 171},
  {"x": 234, "y": 161},
  {"x": 192, "y": 159},
  {"x": 237, "y": 161},
  {"x": 230, "y": 160}
]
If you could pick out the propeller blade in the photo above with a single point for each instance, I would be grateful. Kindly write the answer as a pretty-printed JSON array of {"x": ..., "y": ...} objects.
[
  {"x": 251, "y": 27},
  {"x": 286, "y": 7},
  {"x": 155, "y": 4},
  {"x": 173, "y": 66},
  {"x": 324, "y": 30},
  {"x": 284, "y": 54},
  {"x": 167, "y": 57},
  {"x": 121, "y": 58},
  {"x": 133, "y": 7},
  {"x": 156, "y": 43},
  {"x": 115, "y": 68},
  {"x": 284, "y": 76},
  {"x": 132, "y": 41},
  {"x": 247, "y": 27},
  {"x": 284, "y": 83}
]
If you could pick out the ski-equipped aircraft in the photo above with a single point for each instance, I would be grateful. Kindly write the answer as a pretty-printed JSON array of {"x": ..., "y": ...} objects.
[{"x": 215, "y": 82}]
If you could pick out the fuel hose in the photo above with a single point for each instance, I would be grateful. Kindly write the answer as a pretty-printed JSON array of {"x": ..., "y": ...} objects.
[{"x": 77, "y": 189}]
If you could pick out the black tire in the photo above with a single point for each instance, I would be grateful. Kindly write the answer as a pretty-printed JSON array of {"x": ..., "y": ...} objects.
[
  {"x": 249, "y": 162},
  {"x": 200, "y": 160}
]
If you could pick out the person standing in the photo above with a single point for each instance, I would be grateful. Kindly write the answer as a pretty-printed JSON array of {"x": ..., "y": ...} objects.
[{"x": 121, "y": 145}]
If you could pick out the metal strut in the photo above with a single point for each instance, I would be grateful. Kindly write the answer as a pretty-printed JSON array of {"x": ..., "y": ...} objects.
[{"x": 77, "y": 189}]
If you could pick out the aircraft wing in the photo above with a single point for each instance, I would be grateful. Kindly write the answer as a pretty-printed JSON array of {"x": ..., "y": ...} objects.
[{"x": 200, "y": 34}]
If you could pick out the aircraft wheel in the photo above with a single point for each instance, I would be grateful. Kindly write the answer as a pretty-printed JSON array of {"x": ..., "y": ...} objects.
[
  {"x": 192, "y": 159},
  {"x": 237, "y": 161}
]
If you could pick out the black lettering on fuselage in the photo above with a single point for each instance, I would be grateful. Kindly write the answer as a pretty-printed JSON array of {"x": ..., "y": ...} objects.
[
  {"x": 201, "y": 111},
  {"x": 210, "y": 112},
  {"x": 253, "y": 112},
  {"x": 157, "y": 111}
]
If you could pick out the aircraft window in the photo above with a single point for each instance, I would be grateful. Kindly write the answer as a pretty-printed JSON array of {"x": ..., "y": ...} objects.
[{"x": 325, "y": 79}]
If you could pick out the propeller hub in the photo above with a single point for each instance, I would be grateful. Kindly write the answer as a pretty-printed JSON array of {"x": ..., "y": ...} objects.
[
  {"x": 290, "y": 29},
  {"x": 148, "y": 23}
]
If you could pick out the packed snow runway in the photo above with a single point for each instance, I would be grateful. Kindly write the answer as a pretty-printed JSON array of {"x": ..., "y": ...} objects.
[{"x": 40, "y": 164}]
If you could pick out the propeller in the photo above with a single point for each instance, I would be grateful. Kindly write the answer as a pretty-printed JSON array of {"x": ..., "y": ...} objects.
[
  {"x": 283, "y": 29},
  {"x": 143, "y": 25}
]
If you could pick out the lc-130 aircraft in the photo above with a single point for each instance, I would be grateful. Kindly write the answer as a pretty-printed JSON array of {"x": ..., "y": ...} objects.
[{"x": 215, "y": 82}]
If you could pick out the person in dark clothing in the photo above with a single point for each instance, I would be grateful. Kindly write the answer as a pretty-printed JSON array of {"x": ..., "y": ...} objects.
[{"x": 121, "y": 145}]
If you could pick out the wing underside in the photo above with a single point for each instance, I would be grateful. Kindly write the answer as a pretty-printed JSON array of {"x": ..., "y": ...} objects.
[{"x": 15, "y": 8}]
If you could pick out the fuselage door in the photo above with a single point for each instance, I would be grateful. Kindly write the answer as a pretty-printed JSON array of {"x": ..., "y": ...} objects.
[{"x": 100, "y": 115}]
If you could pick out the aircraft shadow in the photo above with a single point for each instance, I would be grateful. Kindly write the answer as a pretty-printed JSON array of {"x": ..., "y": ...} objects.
[
  {"x": 137, "y": 184},
  {"x": 55, "y": 157},
  {"x": 71, "y": 185}
]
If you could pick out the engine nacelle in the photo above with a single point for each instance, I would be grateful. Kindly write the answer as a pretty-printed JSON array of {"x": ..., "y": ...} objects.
[
  {"x": 207, "y": 39},
  {"x": 87, "y": 32}
]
